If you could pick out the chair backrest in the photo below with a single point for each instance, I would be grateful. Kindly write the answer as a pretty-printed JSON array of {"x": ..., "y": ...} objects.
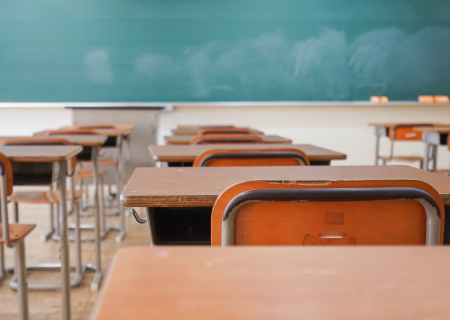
[
  {"x": 203, "y": 132},
  {"x": 252, "y": 158},
  {"x": 6, "y": 173},
  {"x": 71, "y": 132},
  {"x": 95, "y": 126},
  {"x": 35, "y": 173},
  {"x": 406, "y": 132},
  {"x": 227, "y": 138},
  {"x": 379, "y": 212}
]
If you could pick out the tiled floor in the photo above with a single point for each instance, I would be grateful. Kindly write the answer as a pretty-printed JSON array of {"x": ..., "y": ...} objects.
[{"x": 47, "y": 305}]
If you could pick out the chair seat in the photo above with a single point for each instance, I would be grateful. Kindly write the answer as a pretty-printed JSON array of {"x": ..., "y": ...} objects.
[
  {"x": 101, "y": 162},
  {"x": 87, "y": 174},
  {"x": 403, "y": 158},
  {"x": 17, "y": 232},
  {"x": 41, "y": 197}
]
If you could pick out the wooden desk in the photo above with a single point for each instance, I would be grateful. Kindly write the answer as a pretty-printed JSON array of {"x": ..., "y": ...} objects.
[
  {"x": 268, "y": 283},
  {"x": 182, "y": 198},
  {"x": 433, "y": 137},
  {"x": 194, "y": 131},
  {"x": 382, "y": 130},
  {"x": 60, "y": 155},
  {"x": 119, "y": 130},
  {"x": 185, "y": 155},
  {"x": 188, "y": 139}
]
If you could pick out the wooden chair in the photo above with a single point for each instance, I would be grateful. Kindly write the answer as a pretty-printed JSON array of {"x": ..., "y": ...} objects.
[
  {"x": 379, "y": 212},
  {"x": 404, "y": 132},
  {"x": 207, "y": 131},
  {"x": 252, "y": 158},
  {"x": 13, "y": 236},
  {"x": 25, "y": 174},
  {"x": 227, "y": 138}
]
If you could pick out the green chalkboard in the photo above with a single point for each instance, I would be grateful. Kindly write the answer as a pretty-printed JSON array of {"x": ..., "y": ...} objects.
[{"x": 228, "y": 50}]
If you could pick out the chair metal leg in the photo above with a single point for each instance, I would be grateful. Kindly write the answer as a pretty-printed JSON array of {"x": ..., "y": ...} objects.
[
  {"x": 4, "y": 272},
  {"x": 16, "y": 212},
  {"x": 22, "y": 288},
  {"x": 49, "y": 234}
]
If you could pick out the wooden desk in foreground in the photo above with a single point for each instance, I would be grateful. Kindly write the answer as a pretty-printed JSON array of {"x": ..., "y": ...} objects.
[
  {"x": 185, "y": 155},
  {"x": 268, "y": 283},
  {"x": 182, "y": 198},
  {"x": 188, "y": 139}
]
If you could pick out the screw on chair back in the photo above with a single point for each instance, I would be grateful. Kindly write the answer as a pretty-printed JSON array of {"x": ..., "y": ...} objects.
[
  {"x": 227, "y": 138},
  {"x": 252, "y": 158},
  {"x": 378, "y": 212}
]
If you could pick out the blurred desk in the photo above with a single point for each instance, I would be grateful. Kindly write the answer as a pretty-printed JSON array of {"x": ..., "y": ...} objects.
[{"x": 267, "y": 283}]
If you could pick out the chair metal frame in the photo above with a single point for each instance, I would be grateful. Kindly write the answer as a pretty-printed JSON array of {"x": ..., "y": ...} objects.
[
  {"x": 432, "y": 208},
  {"x": 19, "y": 248},
  {"x": 392, "y": 135},
  {"x": 79, "y": 268},
  {"x": 203, "y": 159}
]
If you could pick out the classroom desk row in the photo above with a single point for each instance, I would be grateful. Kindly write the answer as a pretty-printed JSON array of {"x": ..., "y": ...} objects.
[
  {"x": 85, "y": 147},
  {"x": 263, "y": 282}
]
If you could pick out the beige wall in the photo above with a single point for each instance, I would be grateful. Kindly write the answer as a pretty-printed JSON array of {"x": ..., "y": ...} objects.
[{"x": 340, "y": 127}]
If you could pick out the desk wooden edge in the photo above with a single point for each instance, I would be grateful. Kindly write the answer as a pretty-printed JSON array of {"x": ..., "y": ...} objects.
[
  {"x": 195, "y": 200},
  {"x": 47, "y": 159}
]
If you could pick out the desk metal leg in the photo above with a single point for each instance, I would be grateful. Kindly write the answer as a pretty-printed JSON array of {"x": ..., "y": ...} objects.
[
  {"x": 377, "y": 148},
  {"x": 121, "y": 227},
  {"x": 434, "y": 152},
  {"x": 98, "y": 259},
  {"x": 426, "y": 156},
  {"x": 65, "y": 266}
]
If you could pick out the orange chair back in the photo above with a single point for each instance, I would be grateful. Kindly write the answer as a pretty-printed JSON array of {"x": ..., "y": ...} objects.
[
  {"x": 252, "y": 158},
  {"x": 227, "y": 138},
  {"x": 406, "y": 132},
  {"x": 6, "y": 169},
  {"x": 394, "y": 212},
  {"x": 203, "y": 132},
  {"x": 71, "y": 132}
]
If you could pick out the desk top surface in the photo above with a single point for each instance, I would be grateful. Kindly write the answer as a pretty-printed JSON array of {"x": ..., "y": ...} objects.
[
  {"x": 190, "y": 187},
  {"x": 40, "y": 153},
  {"x": 194, "y": 131},
  {"x": 327, "y": 283},
  {"x": 188, "y": 153},
  {"x": 389, "y": 124},
  {"x": 188, "y": 139},
  {"x": 80, "y": 140},
  {"x": 119, "y": 130}
]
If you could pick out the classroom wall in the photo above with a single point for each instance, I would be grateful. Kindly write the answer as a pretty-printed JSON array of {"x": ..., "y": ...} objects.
[{"x": 341, "y": 127}]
